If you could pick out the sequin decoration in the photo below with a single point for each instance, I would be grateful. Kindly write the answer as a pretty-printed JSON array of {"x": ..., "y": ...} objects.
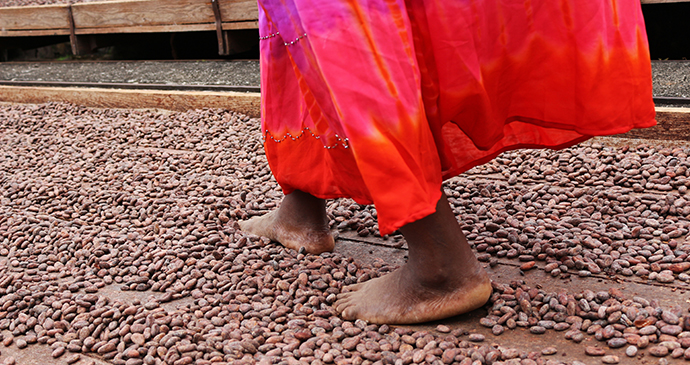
[{"x": 341, "y": 141}]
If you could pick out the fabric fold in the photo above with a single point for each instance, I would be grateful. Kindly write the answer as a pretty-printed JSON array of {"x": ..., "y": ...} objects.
[{"x": 390, "y": 97}]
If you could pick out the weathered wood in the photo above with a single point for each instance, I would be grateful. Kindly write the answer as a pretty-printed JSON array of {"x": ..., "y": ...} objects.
[
  {"x": 140, "y": 29},
  {"x": 127, "y": 16},
  {"x": 33, "y": 18},
  {"x": 74, "y": 42},
  {"x": 239, "y": 10},
  {"x": 672, "y": 110},
  {"x": 33, "y": 33},
  {"x": 130, "y": 13},
  {"x": 113, "y": 14},
  {"x": 252, "y": 24},
  {"x": 246, "y": 103},
  {"x": 222, "y": 46},
  {"x": 168, "y": 28},
  {"x": 148, "y": 29}
]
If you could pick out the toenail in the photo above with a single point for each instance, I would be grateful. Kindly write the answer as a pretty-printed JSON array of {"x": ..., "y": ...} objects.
[{"x": 302, "y": 250}]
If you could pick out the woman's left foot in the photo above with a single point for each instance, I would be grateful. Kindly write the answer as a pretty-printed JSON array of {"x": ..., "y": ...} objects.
[{"x": 300, "y": 222}]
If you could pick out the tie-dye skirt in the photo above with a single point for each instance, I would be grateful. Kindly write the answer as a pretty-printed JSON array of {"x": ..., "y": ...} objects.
[{"x": 380, "y": 100}]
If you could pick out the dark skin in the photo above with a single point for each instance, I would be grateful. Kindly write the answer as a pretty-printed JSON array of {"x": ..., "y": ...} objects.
[
  {"x": 442, "y": 278},
  {"x": 301, "y": 221}
]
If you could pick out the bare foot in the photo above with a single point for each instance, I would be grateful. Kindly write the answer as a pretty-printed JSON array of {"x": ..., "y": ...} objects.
[
  {"x": 441, "y": 279},
  {"x": 400, "y": 298},
  {"x": 301, "y": 221}
]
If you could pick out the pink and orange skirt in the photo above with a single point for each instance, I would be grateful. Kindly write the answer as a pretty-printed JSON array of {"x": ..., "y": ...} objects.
[{"x": 381, "y": 100}]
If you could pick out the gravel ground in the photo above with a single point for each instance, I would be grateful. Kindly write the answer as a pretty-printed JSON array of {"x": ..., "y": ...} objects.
[
  {"x": 245, "y": 73},
  {"x": 148, "y": 201},
  {"x": 670, "y": 78}
]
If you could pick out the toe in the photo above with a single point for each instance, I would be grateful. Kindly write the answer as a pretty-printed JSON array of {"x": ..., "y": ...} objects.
[
  {"x": 342, "y": 302},
  {"x": 342, "y": 296},
  {"x": 349, "y": 313},
  {"x": 249, "y": 225},
  {"x": 353, "y": 287},
  {"x": 339, "y": 307}
]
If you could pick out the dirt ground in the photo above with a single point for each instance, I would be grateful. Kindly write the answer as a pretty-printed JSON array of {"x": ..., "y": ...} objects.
[
  {"x": 672, "y": 132},
  {"x": 670, "y": 126}
]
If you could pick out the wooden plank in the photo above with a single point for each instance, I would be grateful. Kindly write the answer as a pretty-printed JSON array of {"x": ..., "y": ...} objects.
[
  {"x": 143, "y": 29},
  {"x": 127, "y": 16},
  {"x": 32, "y": 33},
  {"x": 238, "y": 10},
  {"x": 246, "y": 103},
  {"x": 168, "y": 28},
  {"x": 147, "y": 29},
  {"x": 33, "y": 18},
  {"x": 112, "y": 14},
  {"x": 672, "y": 110},
  {"x": 241, "y": 25},
  {"x": 132, "y": 13}
]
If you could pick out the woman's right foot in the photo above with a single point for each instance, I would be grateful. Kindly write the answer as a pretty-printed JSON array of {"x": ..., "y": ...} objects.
[
  {"x": 404, "y": 297},
  {"x": 301, "y": 221},
  {"x": 442, "y": 278}
]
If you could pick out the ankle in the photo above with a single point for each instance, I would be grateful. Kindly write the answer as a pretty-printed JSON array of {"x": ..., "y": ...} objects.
[
  {"x": 432, "y": 277},
  {"x": 446, "y": 274},
  {"x": 303, "y": 210}
]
